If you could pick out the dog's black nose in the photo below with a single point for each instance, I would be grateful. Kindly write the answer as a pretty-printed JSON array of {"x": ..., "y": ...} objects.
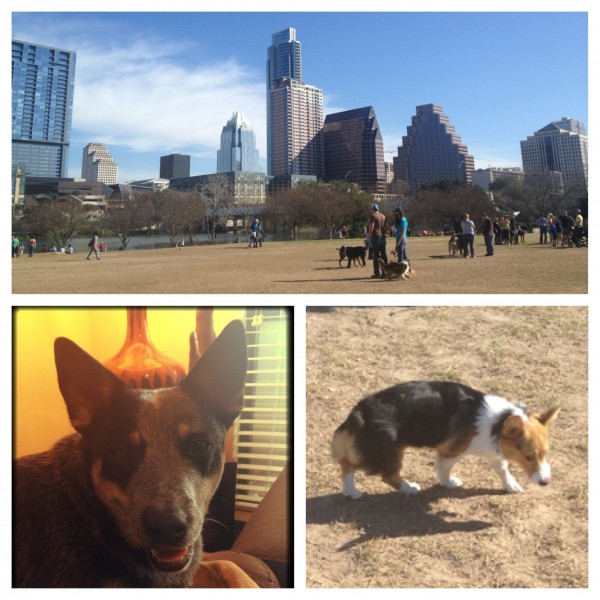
[
  {"x": 165, "y": 526},
  {"x": 542, "y": 482}
]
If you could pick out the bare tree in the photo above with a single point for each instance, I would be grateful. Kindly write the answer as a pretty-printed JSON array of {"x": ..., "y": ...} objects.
[
  {"x": 331, "y": 208},
  {"x": 58, "y": 220},
  {"x": 180, "y": 212},
  {"x": 288, "y": 209},
  {"x": 129, "y": 215},
  {"x": 216, "y": 195}
]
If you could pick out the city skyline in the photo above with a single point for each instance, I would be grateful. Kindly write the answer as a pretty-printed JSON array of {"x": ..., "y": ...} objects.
[{"x": 495, "y": 74}]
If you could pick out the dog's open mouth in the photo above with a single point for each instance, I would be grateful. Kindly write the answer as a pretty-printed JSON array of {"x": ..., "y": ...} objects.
[{"x": 171, "y": 559}]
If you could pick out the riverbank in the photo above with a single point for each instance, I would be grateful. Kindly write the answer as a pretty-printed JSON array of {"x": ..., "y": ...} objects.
[{"x": 302, "y": 267}]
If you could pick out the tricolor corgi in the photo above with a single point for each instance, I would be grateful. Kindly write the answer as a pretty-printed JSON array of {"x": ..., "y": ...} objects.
[{"x": 452, "y": 418}]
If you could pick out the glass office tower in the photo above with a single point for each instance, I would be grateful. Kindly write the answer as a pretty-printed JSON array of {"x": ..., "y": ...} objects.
[
  {"x": 432, "y": 151},
  {"x": 354, "y": 149},
  {"x": 238, "y": 146},
  {"x": 174, "y": 165},
  {"x": 43, "y": 80},
  {"x": 294, "y": 112},
  {"x": 560, "y": 146}
]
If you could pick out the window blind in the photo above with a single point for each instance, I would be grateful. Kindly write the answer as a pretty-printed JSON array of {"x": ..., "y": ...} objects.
[{"x": 262, "y": 432}]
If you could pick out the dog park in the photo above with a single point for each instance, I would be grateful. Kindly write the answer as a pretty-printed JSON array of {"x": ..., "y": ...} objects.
[
  {"x": 304, "y": 267},
  {"x": 477, "y": 535}
]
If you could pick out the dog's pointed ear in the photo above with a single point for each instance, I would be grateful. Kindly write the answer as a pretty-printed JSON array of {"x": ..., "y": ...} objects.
[
  {"x": 218, "y": 378},
  {"x": 548, "y": 416},
  {"x": 513, "y": 427},
  {"x": 86, "y": 384}
]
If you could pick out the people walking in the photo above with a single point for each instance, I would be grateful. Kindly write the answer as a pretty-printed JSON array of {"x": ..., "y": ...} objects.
[{"x": 93, "y": 246}]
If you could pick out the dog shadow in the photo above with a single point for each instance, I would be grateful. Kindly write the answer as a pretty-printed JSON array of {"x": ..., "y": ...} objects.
[{"x": 394, "y": 515}]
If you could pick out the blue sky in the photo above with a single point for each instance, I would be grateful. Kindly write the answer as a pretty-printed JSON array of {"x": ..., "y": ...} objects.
[{"x": 149, "y": 84}]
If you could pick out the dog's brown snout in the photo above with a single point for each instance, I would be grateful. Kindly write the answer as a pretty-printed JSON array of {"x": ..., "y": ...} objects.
[{"x": 165, "y": 526}]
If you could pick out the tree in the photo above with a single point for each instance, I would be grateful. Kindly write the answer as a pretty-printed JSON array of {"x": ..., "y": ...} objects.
[
  {"x": 436, "y": 208},
  {"x": 539, "y": 194},
  {"x": 180, "y": 212},
  {"x": 335, "y": 204},
  {"x": 216, "y": 196},
  {"x": 56, "y": 220},
  {"x": 288, "y": 209},
  {"x": 126, "y": 217}
]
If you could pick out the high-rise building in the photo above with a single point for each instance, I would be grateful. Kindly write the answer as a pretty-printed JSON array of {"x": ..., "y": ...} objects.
[
  {"x": 559, "y": 147},
  {"x": 98, "y": 164},
  {"x": 174, "y": 165},
  {"x": 238, "y": 146},
  {"x": 432, "y": 151},
  {"x": 354, "y": 149},
  {"x": 294, "y": 112},
  {"x": 43, "y": 80}
]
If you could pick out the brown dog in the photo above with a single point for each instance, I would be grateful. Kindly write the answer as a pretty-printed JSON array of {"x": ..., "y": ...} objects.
[{"x": 121, "y": 503}]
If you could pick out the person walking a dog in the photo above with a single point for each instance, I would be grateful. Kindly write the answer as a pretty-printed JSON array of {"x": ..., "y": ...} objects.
[
  {"x": 468, "y": 231},
  {"x": 401, "y": 229},
  {"x": 376, "y": 234},
  {"x": 488, "y": 234}
]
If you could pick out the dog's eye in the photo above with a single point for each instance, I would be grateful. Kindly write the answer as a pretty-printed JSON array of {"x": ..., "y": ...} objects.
[
  {"x": 529, "y": 457},
  {"x": 196, "y": 446}
]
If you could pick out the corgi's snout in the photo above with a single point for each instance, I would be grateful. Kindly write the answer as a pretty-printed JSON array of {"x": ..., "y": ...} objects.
[{"x": 543, "y": 475}]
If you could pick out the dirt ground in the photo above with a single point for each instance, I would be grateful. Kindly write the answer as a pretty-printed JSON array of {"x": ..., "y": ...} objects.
[
  {"x": 476, "y": 536},
  {"x": 309, "y": 267}
]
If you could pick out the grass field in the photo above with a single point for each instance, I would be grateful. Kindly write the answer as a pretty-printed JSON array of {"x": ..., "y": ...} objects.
[
  {"x": 303, "y": 267},
  {"x": 476, "y": 536}
]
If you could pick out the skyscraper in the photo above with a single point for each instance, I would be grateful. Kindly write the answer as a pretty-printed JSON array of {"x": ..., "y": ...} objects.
[
  {"x": 42, "y": 106},
  {"x": 98, "y": 165},
  {"x": 560, "y": 146},
  {"x": 294, "y": 112},
  {"x": 432, "y": 151},
  {"x": 174, "y": 165},
  {"x": 354, "y": 149},
  {"x": 238, "y": 146}
]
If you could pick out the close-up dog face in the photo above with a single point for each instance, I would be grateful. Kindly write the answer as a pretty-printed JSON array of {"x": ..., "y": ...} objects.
[
  {"x": 525, "y": 441},
  {"x": 156, "y": 456}
]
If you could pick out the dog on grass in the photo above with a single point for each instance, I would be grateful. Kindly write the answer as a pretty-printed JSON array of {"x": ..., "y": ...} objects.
[
  {"x": 454, "y": 419},
  {"x": 352, "y": 253},
  {"x": 394, "y": 270},
  {"x": 455, "y": 245},
  {"x": 121, "y": 502}
]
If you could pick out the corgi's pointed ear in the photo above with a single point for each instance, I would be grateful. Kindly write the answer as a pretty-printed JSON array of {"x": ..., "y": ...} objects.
[
  {"x": 548, "y": 417},
  {"x": 513, "y": 427},
  {"x": 86, "y": 384},
  {"x": 218, "y": 378}
]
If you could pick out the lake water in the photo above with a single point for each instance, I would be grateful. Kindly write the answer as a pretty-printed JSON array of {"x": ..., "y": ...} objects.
[{"x": 145, "y": 242}]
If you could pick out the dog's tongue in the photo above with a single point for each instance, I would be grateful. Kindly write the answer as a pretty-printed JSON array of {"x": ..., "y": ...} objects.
[{"x": 172, "y": 556}]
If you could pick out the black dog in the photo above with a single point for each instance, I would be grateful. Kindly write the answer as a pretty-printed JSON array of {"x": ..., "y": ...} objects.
[{"x": 352, "y": 253}]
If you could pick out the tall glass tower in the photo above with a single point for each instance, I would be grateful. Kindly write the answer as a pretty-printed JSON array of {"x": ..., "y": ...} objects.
[
  {"x": 294, "y": 112},
  {"x": 354, "y": 149},
  {"x": 238, "y": 146},
  {"x": 432, "y": 151},
  {"x": 560, "y": 146},
  {"x": 43, "y": 81}
]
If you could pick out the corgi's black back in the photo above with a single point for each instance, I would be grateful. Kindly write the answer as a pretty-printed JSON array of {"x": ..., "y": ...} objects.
[{"x": 418, "y": 414}]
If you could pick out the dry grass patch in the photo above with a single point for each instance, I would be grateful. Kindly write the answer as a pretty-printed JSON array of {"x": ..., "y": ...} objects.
[
  {"x": 309, "y": 267},
  {"x": 477, "y": 535}
]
